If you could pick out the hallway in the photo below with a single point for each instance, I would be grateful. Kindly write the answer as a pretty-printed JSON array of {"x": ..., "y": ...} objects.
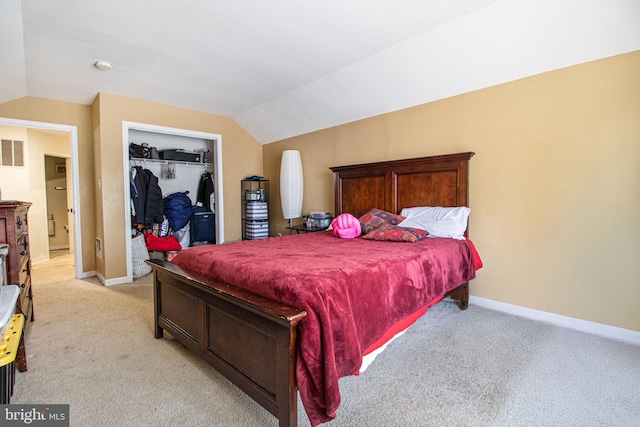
[{"x": 60, "y": 266}]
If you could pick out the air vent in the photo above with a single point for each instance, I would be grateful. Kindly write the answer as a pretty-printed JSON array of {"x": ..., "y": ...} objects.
[{"x": 12, "y": 153}]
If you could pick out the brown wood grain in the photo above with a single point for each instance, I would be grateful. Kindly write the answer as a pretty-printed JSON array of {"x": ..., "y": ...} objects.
[{"x": 252, "y": 340}]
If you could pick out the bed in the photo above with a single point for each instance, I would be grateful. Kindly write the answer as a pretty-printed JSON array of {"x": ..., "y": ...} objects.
[{"x": 300, "y": 321}]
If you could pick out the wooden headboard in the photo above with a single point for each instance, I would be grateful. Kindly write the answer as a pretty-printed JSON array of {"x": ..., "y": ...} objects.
[{"x": 397, "y": 184}]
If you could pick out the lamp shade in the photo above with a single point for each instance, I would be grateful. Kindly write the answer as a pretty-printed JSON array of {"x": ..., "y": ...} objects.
[{"x": 291, "y": 184}]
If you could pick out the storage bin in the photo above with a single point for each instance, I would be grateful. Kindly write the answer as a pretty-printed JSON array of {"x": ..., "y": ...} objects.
[
  {"x": 8, "y": 301},
  {"x": 8, "y": 353},
  {"x": 256, "y": 211},
  {"x": 256, "y": 206},
  {"x": 258, "y": 225},
  {"x": 4, "y": 251},
  {"x": 257, "y": 230},
  {"x": 320, "y": 214},
  {"x": 257, "y": 216},
  {"x": 251, "y": 236}
]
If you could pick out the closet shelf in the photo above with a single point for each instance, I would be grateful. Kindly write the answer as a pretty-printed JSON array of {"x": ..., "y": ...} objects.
[{"x": 161, "y": 161}]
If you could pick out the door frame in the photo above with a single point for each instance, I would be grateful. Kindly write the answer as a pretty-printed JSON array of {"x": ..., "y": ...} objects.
[
  {"x": 73, "y": 140},
  {"x": 217, "y": 173}
]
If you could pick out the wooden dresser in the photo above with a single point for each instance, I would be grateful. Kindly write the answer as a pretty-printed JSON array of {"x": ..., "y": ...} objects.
[{"x": 14, "y": 231}]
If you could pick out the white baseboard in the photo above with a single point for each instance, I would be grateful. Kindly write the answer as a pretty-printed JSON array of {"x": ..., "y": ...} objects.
[
  {"x": 111, "y": 282},
  {"x": 599, "y": 329},
  {"x": 87, "y": 274}
]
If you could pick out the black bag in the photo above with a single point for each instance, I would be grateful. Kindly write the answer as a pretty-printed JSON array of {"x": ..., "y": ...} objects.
[
  {"x": 139, "y": 151},
  {"x": 202, "y": 225}
]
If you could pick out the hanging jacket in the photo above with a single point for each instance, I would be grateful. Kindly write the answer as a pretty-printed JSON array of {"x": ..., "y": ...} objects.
[
  {"x": 205, "y": 190},
  {"x": 138, "y": 194},
  {"x": 153, "y": 205}
]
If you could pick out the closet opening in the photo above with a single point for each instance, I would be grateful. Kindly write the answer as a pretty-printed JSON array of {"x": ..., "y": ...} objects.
[{"x": 186, "y": 168}]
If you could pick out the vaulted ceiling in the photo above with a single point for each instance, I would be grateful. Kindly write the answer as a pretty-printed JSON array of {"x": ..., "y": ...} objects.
[{"x": 282, "y": 68}]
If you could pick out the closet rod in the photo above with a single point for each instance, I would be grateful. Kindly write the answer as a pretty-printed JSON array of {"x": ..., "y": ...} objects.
[{"x": 161, "y": 161}]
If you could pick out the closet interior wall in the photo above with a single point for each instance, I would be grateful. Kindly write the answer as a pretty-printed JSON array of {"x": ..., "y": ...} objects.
[{"x": 187, "y": 176}]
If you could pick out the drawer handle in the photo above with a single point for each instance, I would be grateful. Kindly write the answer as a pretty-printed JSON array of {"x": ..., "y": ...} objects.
[
  {"x": 23, "y": 285},
  {"x": 23, "y": 253}
]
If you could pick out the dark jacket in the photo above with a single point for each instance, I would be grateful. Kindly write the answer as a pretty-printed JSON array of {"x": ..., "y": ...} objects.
[
  {"x": 138, "y": 193},
  {"x": 153, "y": 206},
  {"x": 205, "y": 190}
]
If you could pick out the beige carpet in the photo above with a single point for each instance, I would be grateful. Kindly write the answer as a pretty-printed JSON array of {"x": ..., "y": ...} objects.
[{"x": 92, "y": 347}]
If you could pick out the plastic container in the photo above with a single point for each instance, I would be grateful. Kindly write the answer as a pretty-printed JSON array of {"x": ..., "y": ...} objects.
[
  {"x": 320, "y": 214},
  {"x": 8, "y": 301},
  {"x": 4, "y": 251}
]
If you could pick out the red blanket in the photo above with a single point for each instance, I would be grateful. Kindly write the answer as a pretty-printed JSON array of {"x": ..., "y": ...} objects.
[{"x": 353, "y": 290}]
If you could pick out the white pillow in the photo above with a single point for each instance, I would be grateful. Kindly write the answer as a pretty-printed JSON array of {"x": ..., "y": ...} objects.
[{"x": 438, "y": 221}]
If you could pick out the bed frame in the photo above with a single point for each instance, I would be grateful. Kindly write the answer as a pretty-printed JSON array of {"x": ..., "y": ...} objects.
[{"x": 252, "y": 340}]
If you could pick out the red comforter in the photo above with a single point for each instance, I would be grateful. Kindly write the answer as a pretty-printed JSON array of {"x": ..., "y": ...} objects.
[{"x": 353, "y": 290}]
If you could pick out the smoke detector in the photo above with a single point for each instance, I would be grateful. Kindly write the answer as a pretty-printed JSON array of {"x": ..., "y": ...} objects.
[{"x": 102, "y": 65}]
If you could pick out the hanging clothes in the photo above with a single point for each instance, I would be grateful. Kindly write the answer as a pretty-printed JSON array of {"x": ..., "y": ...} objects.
[
  {"x": 153, "y": 205},
  {"x": 146, "y": 198},
  {"x": 138, "y": 192},
  {"x": 205, "y": 191}
]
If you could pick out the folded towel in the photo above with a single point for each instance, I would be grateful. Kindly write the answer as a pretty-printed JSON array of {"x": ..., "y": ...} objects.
[{"x": 346, "y": 226}]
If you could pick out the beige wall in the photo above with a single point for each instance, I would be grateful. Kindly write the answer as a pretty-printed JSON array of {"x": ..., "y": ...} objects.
[
  {"x": 47, "y": 111},
  {"x": 554, "y": 185},
  {"x": 28, "y": 183},
  {"x": 241, "y": 155},
  {"x": 14, "y": 181}
]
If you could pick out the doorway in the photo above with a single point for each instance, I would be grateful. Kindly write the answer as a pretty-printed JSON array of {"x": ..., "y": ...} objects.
[
  {"x": 72, "y": 172},
  {"x": 58, "y": 227}
]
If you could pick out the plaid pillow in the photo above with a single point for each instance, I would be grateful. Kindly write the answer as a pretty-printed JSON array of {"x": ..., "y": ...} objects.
[
  {"x": 376, "y": 218},
  {"x": 393, "y": 233}
]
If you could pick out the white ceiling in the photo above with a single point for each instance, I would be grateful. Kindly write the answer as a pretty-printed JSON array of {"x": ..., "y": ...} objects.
[{"x": 282, "y": 68}]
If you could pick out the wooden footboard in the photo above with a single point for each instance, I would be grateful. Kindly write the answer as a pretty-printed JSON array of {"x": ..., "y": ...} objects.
[{"x": 249, "y": 339}]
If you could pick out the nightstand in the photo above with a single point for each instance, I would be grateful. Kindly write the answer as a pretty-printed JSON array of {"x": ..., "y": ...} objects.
[{"x": 304, "y": 228}]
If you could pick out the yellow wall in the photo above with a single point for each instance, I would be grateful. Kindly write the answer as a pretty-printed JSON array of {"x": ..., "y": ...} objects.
[
  {"x": 554, "y": 185},
  {"x": 241, "y": 156},
  {"x": 44, "y": 110}
]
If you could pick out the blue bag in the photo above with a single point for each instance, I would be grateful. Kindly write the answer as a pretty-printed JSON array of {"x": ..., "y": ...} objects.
[
  {"x": 202, "y": 225},
  {"x": 178, "y": 209}
]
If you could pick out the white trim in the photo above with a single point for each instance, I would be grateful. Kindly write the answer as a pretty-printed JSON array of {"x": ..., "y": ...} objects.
[
  {"x": 217, "y": 171},
  {"x": 593, "y": 328},
  {"x": 112, "y": 282},
  {"x": 75, "y": 178},
  {"x": 87, "y": 274}
]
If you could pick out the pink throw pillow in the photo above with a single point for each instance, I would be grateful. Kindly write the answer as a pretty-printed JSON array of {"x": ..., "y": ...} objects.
[{"x": 346, "y": 226}]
